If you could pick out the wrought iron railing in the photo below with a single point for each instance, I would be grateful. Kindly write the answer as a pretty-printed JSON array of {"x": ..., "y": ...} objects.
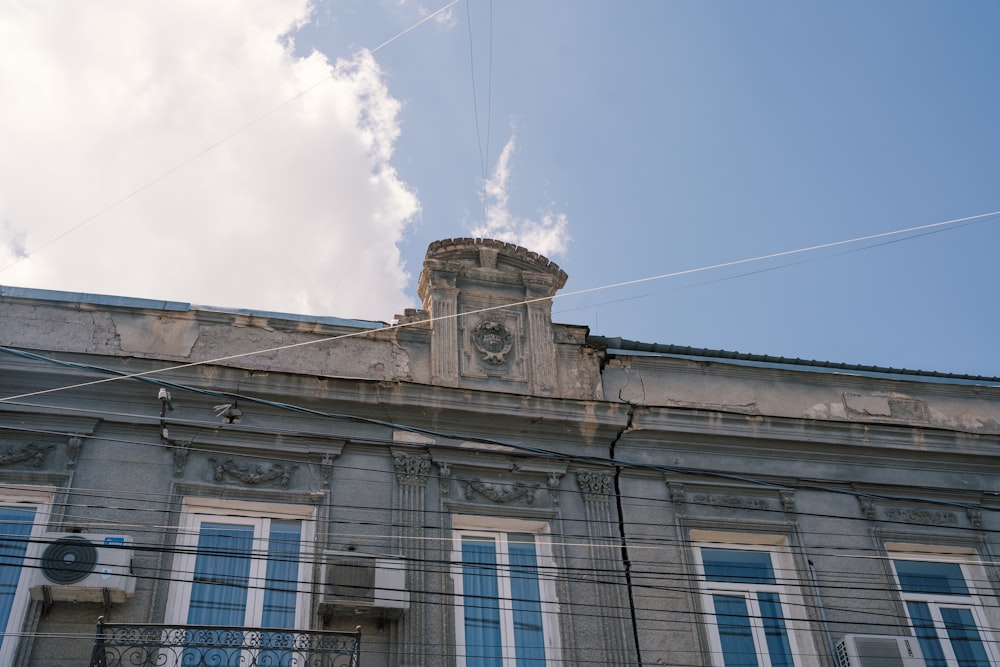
[{"x": 142, "y": 645}]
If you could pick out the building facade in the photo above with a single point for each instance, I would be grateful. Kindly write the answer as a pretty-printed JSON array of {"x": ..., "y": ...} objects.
[{"x": 477, "y": 485}]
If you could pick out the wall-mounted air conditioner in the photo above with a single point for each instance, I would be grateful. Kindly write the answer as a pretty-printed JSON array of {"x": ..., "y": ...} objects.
[
  {"x": 357, "y": 583},
  {"x": 879, "y": 651},
  {"x": 80, "y": 567}
]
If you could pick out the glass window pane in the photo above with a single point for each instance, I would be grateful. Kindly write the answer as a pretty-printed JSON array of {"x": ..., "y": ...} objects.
[
  {"x": 736, "y": 566},
  {"x": 221, "y": 575},
  {"x": 923, "y": 627},
  {"x": 15, "y": 531},
  {"x": 917, "y": 576},
  {"x": 964, "y": 636},
  {"x": 282, "y": 574},
  {"x": 481, "y": 603},
  {"x": 529, "y": 640},
  {"x": 778, "y": 648},
  {"x": 735, "y": 633}
]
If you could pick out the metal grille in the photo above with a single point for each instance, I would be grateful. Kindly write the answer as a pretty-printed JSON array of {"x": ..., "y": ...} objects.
[{"x": 142, "y": 645}]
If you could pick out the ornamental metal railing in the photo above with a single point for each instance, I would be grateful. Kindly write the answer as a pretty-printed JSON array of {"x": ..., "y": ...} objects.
[{"x": 146, "y": 645}]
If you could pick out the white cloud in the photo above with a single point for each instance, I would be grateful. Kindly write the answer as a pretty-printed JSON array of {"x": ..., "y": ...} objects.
[
  {"x": 546, "y": 234},
  {"x": 299, "y": 212}
]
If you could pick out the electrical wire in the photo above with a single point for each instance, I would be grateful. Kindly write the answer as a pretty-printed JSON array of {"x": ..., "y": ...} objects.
[{"x": 366, "y": 332}]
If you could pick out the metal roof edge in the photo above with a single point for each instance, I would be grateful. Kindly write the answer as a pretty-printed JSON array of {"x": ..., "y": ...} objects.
[
  {"x": 617, "y": 345},
  {"x": 175, "y": 306}
]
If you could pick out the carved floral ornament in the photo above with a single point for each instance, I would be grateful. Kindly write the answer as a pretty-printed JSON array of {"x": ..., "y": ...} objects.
[
  {"x": 928, "y": 517},
  {"x": 411, "y": 469},
  {"x": 31, "y": 454},
  {"x": 493, "y": 341},
  {"x": 499, "y": 492},
  {"x": 278, "y": 473},
  {"x": 596, "y": 483}
]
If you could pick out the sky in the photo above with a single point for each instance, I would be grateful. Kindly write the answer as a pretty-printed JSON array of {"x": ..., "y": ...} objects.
[{"x": 299, "y": 157}]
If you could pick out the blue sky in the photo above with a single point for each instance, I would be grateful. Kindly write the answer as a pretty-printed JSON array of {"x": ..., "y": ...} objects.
[
  {"x": 675, "y": 135},
  {"x": 663, "y": 136}
]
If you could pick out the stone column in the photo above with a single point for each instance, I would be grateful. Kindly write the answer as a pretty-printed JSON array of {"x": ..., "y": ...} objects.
[
  {"x": 411, "y": 481},
  {"x": 607, "y": 566}
]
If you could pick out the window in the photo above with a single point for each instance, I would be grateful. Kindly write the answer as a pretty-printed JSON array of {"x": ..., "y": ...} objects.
[
  {"x": 506, "y": 613},
  {"x": 21, "y": 521},
  {"x": 945, "y": 615},
  {"x": 242, "y": 565},
  {"x": 747, "y": 607}
]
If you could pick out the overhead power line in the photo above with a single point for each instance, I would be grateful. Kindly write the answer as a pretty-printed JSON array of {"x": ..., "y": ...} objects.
[{"x": 974, "y": 219}]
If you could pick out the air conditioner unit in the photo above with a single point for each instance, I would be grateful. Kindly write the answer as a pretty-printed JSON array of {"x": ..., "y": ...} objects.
[
  {"x": 80, "y": 567},
  {"x": 879, "y": 651},
  {"x": 365, "y": 584}
]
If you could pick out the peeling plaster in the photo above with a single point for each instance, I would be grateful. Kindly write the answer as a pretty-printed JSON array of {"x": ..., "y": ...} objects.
[{"x": 155, "y": 335}]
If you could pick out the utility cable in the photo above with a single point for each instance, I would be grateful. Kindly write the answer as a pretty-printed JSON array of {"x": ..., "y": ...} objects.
[{"x": 590, "y": 290}]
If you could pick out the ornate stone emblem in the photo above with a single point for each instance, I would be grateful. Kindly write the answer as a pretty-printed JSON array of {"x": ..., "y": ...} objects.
[{"x": 493, "y": 340}]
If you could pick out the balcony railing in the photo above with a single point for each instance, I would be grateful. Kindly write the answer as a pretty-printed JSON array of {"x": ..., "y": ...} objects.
[{"x": 142, "y": 645}]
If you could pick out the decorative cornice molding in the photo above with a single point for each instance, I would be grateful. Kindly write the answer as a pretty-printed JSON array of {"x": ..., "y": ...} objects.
[{"x": 253, "y": 474}]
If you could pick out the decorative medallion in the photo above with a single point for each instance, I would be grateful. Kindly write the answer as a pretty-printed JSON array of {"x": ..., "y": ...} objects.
[
  {"x": 493, "y": 340},
  {"x": 253, "y": 474}
]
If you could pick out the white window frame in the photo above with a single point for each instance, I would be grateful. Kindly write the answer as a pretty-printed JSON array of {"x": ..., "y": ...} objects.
[
  {"x": 972, "y": 572},
  {"x": 41, "y": 500},
  {"x": 197, "y": 511},
  {"x": 497, "y": 528},
  {"x": 799, "y": 641}
]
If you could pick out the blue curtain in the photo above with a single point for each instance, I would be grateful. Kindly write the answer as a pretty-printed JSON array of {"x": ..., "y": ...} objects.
[
  {"x": 280, "y": 592},
  {"x": 731, "y": 615},
  {"x": 529, "y": 640},
  {"x": 221, "y": 575},
  {"x": 282, "y": 574},
  {"x": 917, "y": 576},
  {"x": 219, "y": 594},
  {"x": 923, "y": 626},
  {"x": 15, "y": 532},
  {"x": 778, "y": 648},
  {"x": 481, "y": 603},
  {"x": 964, "y": 636},
  {"x": 734, "y": 565}
]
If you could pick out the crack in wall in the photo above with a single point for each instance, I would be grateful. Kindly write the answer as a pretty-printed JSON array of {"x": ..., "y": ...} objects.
[{"x": 626, "y": 561}]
